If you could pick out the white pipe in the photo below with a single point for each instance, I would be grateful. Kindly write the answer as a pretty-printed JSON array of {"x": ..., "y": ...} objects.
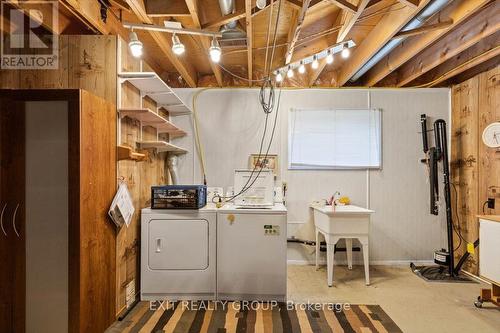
[{"x": 152, "y": 27}]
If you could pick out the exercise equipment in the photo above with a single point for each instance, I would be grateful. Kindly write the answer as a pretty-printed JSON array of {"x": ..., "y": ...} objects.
[{"x": 445, "y": 271}]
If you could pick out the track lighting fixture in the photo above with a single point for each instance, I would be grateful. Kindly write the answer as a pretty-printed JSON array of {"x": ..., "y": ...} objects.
[
  {"x": 315, "y": 63},
  {"x": 345, "y": 51},
  {"x": 289, "y": 73},
  {"x": 329, "y": 57},
  {"x": 279, "y": 77},
  {"x": 215, "y": 50},
  {"x": 302, "y": 68},
  {"x": 177, "y": 47},
  {"x": 135, "y": 45}
]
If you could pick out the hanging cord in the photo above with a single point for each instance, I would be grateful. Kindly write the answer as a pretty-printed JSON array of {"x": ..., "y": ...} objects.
[
  {"x": 199, "y": 147},
  {"x": 456, "y": 228}
]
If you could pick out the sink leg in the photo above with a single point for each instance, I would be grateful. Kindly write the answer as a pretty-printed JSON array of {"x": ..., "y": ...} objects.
[
  {"x": 348, "y": 246},
  {"x": 364, "y": 242},
  {"x": 330, "y": 249},
  {"x": 317, "y": 249}
]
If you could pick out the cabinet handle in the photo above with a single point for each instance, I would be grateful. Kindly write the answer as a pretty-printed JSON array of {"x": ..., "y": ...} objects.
[
  {"x": 1, "y": 219},
  {"x": 14, "y": 220},
  {"x": 158, "y": 245}
]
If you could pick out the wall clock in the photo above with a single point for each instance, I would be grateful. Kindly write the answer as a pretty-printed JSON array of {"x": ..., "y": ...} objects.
[{"x": 491, "y": 135}]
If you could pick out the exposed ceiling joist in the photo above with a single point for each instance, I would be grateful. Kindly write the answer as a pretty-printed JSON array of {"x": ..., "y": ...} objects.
[
  {"x": 170, "y": 8},
  {"x": 410, "y": 3},
  {"x": 350, "y": 19},
  {"x": 205, "y": 41},
  {"x": 464, "y": 37},
  {"x": 297, "y": 26},
  {"x": 484, "y": 51},
  {"x": 457, "y": 11},
  {"x": 387, "y": 27},
  {"x": 224, "y": 19},
  {"x": 424, "y": 29},
  {"x": 186, "y": 70},
  {"x": 315, "y": 73},
  {"x": 248, "y": 17},
  {"x": 345, "y": 5}
]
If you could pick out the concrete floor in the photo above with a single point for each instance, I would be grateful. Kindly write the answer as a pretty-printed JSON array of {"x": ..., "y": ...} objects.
[{"x": 415, "y": 305}]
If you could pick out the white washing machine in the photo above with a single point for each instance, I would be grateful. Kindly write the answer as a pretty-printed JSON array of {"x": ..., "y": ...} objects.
[
  {"x": 178, "y": 254},
  {"x": 251, "y": 253}
]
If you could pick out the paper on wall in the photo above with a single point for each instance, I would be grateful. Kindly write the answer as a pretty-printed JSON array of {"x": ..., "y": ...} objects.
[{"x": 122, "y": 208}]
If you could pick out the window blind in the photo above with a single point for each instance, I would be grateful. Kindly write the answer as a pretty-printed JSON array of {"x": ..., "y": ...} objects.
[{"x": 335, "y": 139}]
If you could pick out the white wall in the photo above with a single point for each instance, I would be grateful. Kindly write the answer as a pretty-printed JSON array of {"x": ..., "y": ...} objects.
[{"x": 231, "y": 123}]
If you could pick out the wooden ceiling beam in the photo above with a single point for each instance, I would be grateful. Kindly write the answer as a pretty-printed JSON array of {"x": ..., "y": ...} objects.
[
  {"x": 350, "y": 19},
  {"x": 315, "y": 73},
  {"x": 248, "y": 18},
  {"x": 410, "y": 3},
  {"x": 162, "y": 8},
  {"x": 297, "y": 27},
  {"x": 482, "y": 25},
  {"x": 239, "y": 14},
  {"x": 480, "y": 53},
  {"x": 424, "y": 29},
  {"x": 205, "y": 41},
  {"x": 186, "y": 70},
  {"x": 389, "y": 25},
  {"x": 345, "y": 5},
  {"x": 457, "y": 11}
]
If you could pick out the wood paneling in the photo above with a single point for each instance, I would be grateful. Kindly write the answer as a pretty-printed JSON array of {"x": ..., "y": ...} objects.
[
  {"x": 139, "y": 177},
  {"x": 475, "y": 167},
  {"x": 97, "y": 232}
]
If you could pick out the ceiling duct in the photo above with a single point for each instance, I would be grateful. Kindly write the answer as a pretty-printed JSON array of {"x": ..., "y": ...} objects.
[{"x": 232, "y": 30}]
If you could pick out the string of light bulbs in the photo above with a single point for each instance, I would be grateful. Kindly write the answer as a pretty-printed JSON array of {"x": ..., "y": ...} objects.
[{"x": 329, "y": 53}]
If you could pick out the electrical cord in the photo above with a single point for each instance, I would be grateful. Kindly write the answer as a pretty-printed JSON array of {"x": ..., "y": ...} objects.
[{"x": 457, "y": 228}]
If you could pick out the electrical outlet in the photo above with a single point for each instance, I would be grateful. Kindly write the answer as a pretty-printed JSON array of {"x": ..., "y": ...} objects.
[{"x": 491, "y": 203}]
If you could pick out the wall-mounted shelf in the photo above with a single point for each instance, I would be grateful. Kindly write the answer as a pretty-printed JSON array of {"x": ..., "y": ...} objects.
[
  {"x": 151, "y": 85},
  {"x": 151, "y": 118},
  {"x": 161, "y": 146},
  {"x": 127, "y": 153}
]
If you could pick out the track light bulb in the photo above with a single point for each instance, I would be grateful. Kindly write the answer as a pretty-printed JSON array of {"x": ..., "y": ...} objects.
[
  {"x": 289, "y": 73},
  {"x": 177, "y": 47},
  {"x": 215, "y": 51},
  {"x": 329, "y": 58},
  {"x": 345, "y": 52},
  {"x": 135, "y": 45},
  {"x": 279, "y": 77},
  {"x": 302, "y": 68},
  {"x": 261, "y": 4},
  {"x": 315, "y": 63}
]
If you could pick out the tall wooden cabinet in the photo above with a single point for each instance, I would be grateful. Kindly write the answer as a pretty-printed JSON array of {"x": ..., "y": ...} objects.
[{"x": 57, "y": 180}]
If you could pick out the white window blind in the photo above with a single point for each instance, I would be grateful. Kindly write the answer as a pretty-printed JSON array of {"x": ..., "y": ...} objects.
[{"x": 335, "y": 139}]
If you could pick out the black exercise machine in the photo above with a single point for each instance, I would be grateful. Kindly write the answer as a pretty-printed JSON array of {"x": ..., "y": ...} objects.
[{"x": 446, "y": 271}]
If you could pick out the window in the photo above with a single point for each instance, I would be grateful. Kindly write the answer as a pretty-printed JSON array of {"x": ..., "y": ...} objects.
[{"x": 335, "y": 139}]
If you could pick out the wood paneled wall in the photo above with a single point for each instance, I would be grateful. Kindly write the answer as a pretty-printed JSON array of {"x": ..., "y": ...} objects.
[
  {"x": 85, "y": 62},
  {"x": 475, "y": 167},
  {"x": 90, "y": 63},
  {"x": 139, "y": 177}
]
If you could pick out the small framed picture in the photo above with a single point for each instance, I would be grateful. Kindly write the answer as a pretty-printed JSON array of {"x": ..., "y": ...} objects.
[{"x": 267, "y": 162}]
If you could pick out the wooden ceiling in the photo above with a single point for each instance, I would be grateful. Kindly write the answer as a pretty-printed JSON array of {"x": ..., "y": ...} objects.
[{"x": 461, "y": 39}]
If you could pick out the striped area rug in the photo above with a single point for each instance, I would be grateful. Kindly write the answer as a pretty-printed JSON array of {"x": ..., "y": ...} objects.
[{"x": 209, "y": 317}]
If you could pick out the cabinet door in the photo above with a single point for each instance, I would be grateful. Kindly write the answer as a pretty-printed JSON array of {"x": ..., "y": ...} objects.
[{"x": 12, "y": 210}]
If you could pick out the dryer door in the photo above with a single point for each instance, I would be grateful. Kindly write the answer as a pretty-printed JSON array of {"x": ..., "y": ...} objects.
[{"x": 178, "y": 244}]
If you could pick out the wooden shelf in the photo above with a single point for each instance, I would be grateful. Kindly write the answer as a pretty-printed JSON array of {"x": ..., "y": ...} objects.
[
  {"x": 151, "y": 85},
  {"x": 151, "y": 118},
  {"x": 161, "y": 146},
  {"x": 127, "y": 153}
]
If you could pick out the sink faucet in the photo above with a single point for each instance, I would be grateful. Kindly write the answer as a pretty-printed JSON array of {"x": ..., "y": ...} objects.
[{"x": 335, "y": 201}]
